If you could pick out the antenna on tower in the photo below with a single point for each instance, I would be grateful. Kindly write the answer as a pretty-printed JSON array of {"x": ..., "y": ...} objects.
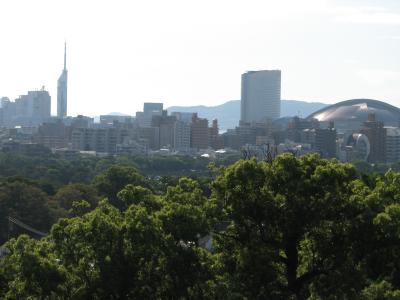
[{"x": 65, "y": 55}]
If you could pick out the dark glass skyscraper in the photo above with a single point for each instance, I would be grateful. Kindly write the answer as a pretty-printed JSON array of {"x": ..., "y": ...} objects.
[{"x": 62, "y": 89}]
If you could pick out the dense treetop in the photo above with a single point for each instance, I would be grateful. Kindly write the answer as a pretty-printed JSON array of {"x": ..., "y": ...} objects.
[{"x": 292, "y": 228}]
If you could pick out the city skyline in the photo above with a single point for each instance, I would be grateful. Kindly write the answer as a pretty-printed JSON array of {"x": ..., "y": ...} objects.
[{"x": 121, "y": 56}]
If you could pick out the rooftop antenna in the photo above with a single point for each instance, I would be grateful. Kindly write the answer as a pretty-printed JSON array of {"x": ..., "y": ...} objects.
[{"x": 65, "y": 55}]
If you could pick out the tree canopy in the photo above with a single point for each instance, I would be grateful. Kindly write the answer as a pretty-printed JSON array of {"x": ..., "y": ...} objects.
[{"x": 293, "y": 228}]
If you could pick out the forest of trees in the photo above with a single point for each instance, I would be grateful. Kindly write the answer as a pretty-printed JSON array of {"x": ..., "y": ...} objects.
[
  {"x": 292, "y": 228},
  {"x": 50, "y": 168}
]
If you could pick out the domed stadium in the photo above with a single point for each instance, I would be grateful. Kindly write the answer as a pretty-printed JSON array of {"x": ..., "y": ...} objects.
[{"x": 349, "y": 115}]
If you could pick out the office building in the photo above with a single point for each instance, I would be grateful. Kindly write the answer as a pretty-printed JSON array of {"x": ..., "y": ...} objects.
[
  {"x": 376, "y": 135},
  {"x": 183, "y": 116},
  {"x": 27, "y": 110},
  {"x": 199, "y": 133},
  {"x": 110, "y": 119},
  {"x": 7, "y": 113},
  {"x": 101, "y": 140},
  {"x": 35, "y": 106},
  {"x": 296, "y": 129},
  {"x": 325, "y": 142},
  {"x": 4, "y": 100},
  {"x": 261, "y": 96},
  {"x": 149, "y": 136},
  {"x": 182, "y": 136},
  {"x": 52, "y": 135},
  {"x": 62, "y": 85},
  {"x": 165, "y": 125},
  {"x": 392, "y": 144},
  {"x": 150, "y": 109},
  {"x": 215, "y": 141}
]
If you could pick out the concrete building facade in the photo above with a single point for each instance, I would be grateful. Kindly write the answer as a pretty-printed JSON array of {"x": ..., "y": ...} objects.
[
  {"x": 261, "y": 96},
  {"x": 376, "y": 134},
  {"x": 392, "y": 144},
  {"x": 182, "y": 136},
  {"x": 150, "y": 109},
  {"x": 31, "y": 109},
  {"x": 199, "y": 133}
]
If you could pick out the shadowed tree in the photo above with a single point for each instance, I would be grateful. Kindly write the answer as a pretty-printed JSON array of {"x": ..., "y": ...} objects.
[
  {"x": 112, "y": 181},
  {"x": 26, "y": 203},
  {"x": 290, "y": 225}
]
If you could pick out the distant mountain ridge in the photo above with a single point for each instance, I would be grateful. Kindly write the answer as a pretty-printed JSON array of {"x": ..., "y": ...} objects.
[{"x": 228, "y": 113}]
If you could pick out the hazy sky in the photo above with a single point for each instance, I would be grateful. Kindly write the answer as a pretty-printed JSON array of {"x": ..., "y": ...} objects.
[{"x": 184, "y": 52}]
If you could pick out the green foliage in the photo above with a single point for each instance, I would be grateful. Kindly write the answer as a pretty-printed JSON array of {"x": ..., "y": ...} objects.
[
  {"x": 31, "y": 271},
  {"x": 58, "y": 171},
  {"x": 115, "y": 179},
  {"x": 62, "y": 203},
  {"x": 25, "y": 202},
  {"x": 73, "y": 192},
  {"x": 294, "y": 228},
  {"x": 382, "y": 290},
  {"x": 109, "y": 254},
  {"x": 47, "y": 167}
]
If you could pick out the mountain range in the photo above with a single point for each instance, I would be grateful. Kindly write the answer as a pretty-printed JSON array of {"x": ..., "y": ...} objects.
[{"x": 228, "y": 113}]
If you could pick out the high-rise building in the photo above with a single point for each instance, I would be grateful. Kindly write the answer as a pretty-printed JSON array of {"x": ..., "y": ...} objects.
[
  {"x": 62, "y": 85},
  {"x": 102, "y": 140},
  {"x": 153, "y": 108},
  {"x": 52, "y": 135},
  {"x": 166, "y": 126},
  {"x": 392, "y": 144},
  {"x": 215, "y": 141},
  {"x": 27, "y": 110},
  {"x": 199, "y": 133},
  {"x": 376, "y": 134},
  {"x": 183, "y": 116},
  {"x": 181, "y": 136},
  {"x": 32, "y": 109},
  {"x": 7, "y": 112},
  {"x": 3, "y": 101},
  {"x": 325, "y": 141},
  {"x": 261, "y": 96},
  {"x": 150, "y": 109}
]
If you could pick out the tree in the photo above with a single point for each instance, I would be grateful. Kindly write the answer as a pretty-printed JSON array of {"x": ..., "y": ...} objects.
[
  {"x": 26, "y": 203},
  {"x": 382, "y": 245},
  {"x": 110, "y": 254},
  {"x": 67, "y": 194},
  {"x": 290, "y": 226},
  {"x": 113, "y": 180},
  {"x": 184, "y": 219},
  {"x": 31, "y": 271}
]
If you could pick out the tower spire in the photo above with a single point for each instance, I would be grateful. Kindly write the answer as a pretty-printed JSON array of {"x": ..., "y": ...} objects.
[{"x": 65, "y": 55}]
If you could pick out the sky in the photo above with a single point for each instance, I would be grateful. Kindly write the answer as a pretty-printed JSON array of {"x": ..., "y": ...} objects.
[{"x": 185, "y": 52}]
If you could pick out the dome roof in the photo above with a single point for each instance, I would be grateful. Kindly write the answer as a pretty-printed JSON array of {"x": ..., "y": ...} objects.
[{"x": 350, "y": 114}]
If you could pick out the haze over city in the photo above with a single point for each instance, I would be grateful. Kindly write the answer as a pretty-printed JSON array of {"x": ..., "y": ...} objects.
[
  {"x": 121, "y": 54},
  {"x": 181, "y": 149}
]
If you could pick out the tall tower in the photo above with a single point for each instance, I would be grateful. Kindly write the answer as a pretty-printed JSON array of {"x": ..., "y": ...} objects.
[
  {"x": 261, "y": 96},
  {"x": 62, "y": 84}
]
